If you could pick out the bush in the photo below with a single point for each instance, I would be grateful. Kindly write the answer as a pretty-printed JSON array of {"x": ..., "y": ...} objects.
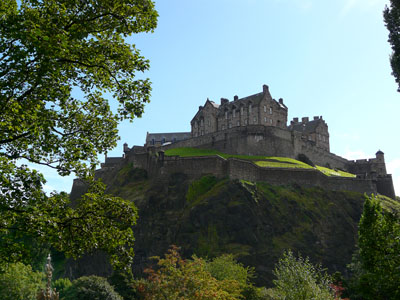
[
  {"x": 123, "y": 284},
  {"x": 61, "y": 286},
  {"x": 19, "y": 282},
  {"x": 298, "y": 279},
  {"x": 189, "y": 279},
  {"x": 91, "y": 288}
]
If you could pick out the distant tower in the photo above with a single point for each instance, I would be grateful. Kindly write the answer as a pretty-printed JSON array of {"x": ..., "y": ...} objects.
[{"x": 381, "y": 166}]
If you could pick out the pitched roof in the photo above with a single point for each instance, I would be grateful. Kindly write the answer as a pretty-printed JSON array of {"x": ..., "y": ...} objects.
[{"x": 168, "y": 136}]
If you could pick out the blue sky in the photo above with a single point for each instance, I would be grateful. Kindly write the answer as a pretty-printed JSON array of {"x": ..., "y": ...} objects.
[{"x": 328, "y": 58}]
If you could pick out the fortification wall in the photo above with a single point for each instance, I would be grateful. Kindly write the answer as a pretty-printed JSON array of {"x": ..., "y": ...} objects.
[
  {"x": 263, "y": 140},
  {"x": 240, "y": 169},
  {"x": 196, "y": 167},
  {"x": 384, "y": 185}
]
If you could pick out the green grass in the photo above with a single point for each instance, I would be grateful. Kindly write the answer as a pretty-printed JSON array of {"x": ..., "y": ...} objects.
[
  {"x": 261, "y": 161},
  {"x": 330, "y": 172}
]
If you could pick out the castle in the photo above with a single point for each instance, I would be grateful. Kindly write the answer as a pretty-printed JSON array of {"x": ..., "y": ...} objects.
[{"x": 256, "y": 125}]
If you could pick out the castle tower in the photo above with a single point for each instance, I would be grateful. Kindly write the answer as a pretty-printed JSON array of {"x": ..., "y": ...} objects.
[{"x": 380, "y": 163}]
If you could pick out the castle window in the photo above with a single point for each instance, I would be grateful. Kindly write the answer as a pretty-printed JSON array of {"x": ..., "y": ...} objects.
[
  {"x": 250, "y": 108},
  {"x": 226, "y": 115},
  {"x": 245, "y": 121},
  {"x": 241, "y": 110},
  {"x": 223, "y": 127},
  {"x": 209, "y": 122},
  {"x": 265, "y": 119},
  {"x": 238, "y": 123},
  {"x": 201, "y": 122},
  {"x": 270, "y": 110},
  {"x": 152, "y": 141},
  {"x": 270, "y": 121},
  {"x": 234, "y": 113},
  {"x": 255, "y": 120},
  {"x": 230, "y": 125},
  {"x": 163, "y": 141},
  {"x": 265, "y": 108}
]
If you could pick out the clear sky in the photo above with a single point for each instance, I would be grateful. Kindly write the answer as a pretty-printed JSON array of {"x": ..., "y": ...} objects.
[{"x": 323, "y": 57}]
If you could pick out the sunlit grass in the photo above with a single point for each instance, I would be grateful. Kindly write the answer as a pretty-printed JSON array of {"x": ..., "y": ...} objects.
[{"x": 330, "y": 172}]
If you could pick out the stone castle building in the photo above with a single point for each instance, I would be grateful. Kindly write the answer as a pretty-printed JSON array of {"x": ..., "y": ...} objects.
[{"x": 257, "y": 125}]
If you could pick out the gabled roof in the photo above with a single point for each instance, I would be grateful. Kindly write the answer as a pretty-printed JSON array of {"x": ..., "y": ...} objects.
[{"x": 168, "y": 136}]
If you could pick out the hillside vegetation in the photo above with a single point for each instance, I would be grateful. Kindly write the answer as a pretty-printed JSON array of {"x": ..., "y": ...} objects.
[
  {"x": 262, "y": 161},
  {"x": 254, "y": 221}
]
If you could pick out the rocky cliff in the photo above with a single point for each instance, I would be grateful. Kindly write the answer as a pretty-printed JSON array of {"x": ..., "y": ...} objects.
[{"x": 211, "y": 216}]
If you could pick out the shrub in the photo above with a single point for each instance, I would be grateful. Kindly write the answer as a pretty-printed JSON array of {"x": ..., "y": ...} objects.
[
  {"x": 180, "y": 279},
  {"x": 91, "y": 287},
  {"x": 19, "y": 282},
  {"x": 298, "y": 279},
  {"x": 62, "y": 285}
]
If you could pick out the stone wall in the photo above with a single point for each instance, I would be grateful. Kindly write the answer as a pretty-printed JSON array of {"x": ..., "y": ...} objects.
[
  {"x": 263, "y": 140},
  {"x": 196, "y": 167}
]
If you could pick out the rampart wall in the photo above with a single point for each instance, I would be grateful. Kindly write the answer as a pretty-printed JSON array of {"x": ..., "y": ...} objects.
[
  {"x": 196, "y": 167},
  {"x": 263, "y": 140}
]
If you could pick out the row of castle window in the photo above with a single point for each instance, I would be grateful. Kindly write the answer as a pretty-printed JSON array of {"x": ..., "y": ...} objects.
[{"x": 250, "y": 110}]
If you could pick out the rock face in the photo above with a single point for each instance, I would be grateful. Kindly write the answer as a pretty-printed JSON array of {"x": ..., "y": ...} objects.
[{"x": 254, "y": 221}]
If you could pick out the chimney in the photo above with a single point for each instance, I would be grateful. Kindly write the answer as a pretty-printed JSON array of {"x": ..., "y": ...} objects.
[
  {"x": 200, "y": 107},
  {"x": 236, "y": 97},
  {"x": 316, "y": 118},
  {"x": 224, "y": 100},
  {"x": 296, "y": 120},
  {"x": 265, "y": 89},
  {"x": 280, "y": 100},
  {"x": 304, "y": 120}
]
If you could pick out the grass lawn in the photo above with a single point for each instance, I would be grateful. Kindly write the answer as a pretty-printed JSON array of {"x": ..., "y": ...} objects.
[{"x": 262, "y": 161}]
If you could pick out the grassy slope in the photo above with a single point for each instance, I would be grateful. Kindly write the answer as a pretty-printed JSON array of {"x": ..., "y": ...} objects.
[{"x": 262, "y": 161}]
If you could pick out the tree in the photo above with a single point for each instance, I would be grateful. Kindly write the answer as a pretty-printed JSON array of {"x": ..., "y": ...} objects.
[
  {"x": 58, "y": 59},
  {"x": 176, "y": 278},
  {"x": 379, "y": 248},
  {"x": 391, "y": 16},
  {"x": 18, "y": 281},
  {"x": 298, "y": 279}
]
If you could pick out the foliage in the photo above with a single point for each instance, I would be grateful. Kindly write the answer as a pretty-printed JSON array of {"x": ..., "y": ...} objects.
[
  {"x": 377, "y": 264},
  {"x": 91, "y": 287},
  {"x": 123, "y": 283},
  {"x": 392, "y": 19},
  {"x": 226, "y": 267},
  {"x": 58, "y": 58},
  {"x": 298, "y": 279},
  {"x": 181, "y": 279},
  {"x": 61, "y": 286},
  {"x": 19, "y": 282},
  {"x": 200, "y": 187}
]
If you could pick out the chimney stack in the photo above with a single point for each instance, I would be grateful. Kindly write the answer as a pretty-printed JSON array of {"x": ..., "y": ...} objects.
[
  {"x": 236, "y": 97},
  {"x": 224, "y": 100},
  {"x": 280, "y": 100},
  {"x": 265, "y": 89},
  {"x": 316, "y": 118}
]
